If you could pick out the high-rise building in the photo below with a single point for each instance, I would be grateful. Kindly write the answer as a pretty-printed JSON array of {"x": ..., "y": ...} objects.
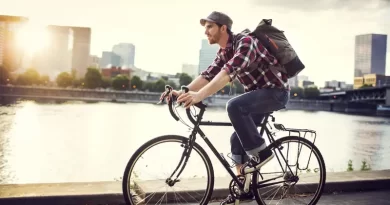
[
  {"x": 2, "y": 40},
  {"x": 127, "y": 53},
  {"x": 10, "y": 53},
  {"x": 68, "y": 49},
  {"x": 207, "y": 54},
  {"x": 370, "y": 54},
  {"x": 81, "y": 49},
  {"x": 110, "y": 59},
  {"x": 56, "y": 57},
  {"x": 94, "y": 61}
]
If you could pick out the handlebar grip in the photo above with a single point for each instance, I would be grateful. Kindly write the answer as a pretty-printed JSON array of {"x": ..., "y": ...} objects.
[
  {"x": 199, "y": 104},
  {"x": 174, "y": 98}
]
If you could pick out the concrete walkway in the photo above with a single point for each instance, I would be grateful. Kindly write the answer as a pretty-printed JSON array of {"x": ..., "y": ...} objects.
[
  {"x": 111, "y": 192},
  {"x": 356, "y": 198}
]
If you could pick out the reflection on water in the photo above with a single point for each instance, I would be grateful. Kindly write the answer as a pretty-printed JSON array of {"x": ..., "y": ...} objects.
[
  {"x": 370, "y": 143},
  {"x": 65, "y": 142}
]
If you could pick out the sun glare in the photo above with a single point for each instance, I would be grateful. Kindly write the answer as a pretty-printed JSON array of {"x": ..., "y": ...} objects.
[{"x": 32, "y": 38}]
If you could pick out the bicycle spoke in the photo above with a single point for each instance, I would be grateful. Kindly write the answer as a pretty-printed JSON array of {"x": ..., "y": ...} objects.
[
  {"x": 302, "y": 184},
  {"x": 149, "y": 169}
]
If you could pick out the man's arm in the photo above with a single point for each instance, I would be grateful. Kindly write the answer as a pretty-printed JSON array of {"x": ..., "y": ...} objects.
[
  {"x": 198, "y": 83},
  {"x": 206, "y": 76},
  {"x": 245, "y": 55}
]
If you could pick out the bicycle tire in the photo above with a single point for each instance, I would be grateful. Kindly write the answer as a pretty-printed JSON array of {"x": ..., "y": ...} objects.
[
  {"x": 320, "y": 188},
  {"x": 158, "y": 140}
]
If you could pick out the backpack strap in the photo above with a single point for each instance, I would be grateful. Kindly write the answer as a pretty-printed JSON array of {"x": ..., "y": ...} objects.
[{"x": 245, "y": 32}]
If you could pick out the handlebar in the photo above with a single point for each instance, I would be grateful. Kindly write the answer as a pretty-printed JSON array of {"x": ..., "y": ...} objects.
[{"x": 168, "y": 90}]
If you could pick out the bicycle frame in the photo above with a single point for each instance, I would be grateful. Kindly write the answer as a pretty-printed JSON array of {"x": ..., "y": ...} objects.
[{"x": 197, "y": 123}]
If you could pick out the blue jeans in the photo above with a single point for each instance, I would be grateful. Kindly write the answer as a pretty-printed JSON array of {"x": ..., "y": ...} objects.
[{"x": 246, "y": 111}]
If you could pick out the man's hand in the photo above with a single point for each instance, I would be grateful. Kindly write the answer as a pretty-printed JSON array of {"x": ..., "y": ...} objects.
[
  {"x": 169, "y": 97},
  {"x": 189, "y": 98}
]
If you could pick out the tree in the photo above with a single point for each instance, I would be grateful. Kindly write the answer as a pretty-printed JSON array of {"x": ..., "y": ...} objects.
[
  {"x": 64, "y": 80},
  {"x": 148, "y": 86},
  {"x": 120, "y": 82},
  {"x": 296, "y": 92},
  {"x": 78, "y": 82},
  {"x": 172, "y": 84},
  {"x": 4, "y": 76},
  {"x": 165, "y": 78},
  {"x": 159, "y": 86},
  {"x": 106, "y": 82},
  {"x": 184, "y": 79},
  {"x": 93, "y": 78},
  {"x": 33, "y": 76},
  {"x": 44, "y": 80},
  {"x": 366, "y": 86},
  {"x": 311, "y": 92},
  {"x": 29, "y": 77},
  {"x": 136, "y": 82}
]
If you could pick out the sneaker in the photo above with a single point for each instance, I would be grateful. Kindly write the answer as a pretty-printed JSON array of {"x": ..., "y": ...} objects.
[
  {"x": 245, "y": 197},
  {"x": 255, "y": 163}
]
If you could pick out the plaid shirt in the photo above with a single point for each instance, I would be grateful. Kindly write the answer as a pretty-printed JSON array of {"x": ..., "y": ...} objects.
[{"x": 236, "y": 64}]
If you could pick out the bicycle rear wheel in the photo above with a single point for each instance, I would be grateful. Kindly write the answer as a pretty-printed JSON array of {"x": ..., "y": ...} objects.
[
  {"x": 194, "y": 186},
  {"x": 302, "y": 169}
]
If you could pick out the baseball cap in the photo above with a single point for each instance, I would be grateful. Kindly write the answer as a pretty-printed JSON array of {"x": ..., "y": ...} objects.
[{"x": 218, "y": 17}]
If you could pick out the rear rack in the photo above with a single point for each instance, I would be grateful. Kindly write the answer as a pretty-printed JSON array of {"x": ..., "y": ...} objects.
[{"x": 300, "y": 132}]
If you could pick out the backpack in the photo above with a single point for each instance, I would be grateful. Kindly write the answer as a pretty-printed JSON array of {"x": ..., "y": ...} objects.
[{"x": 277, "y": 44}]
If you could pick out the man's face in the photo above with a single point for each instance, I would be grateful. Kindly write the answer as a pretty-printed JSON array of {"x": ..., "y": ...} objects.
[{"x": 212, "y": 32}]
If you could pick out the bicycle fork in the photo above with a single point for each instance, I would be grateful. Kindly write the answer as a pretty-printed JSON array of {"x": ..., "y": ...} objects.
[{"x": 182, "y": 163}]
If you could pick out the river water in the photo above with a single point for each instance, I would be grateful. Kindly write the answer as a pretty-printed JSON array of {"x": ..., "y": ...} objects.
[{"x": 78, "y": 142}]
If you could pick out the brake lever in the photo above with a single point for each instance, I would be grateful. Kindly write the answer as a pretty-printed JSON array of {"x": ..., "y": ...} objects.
[
  {"x": 160, "y": 102},
  {"x": 163, "y": 98}
]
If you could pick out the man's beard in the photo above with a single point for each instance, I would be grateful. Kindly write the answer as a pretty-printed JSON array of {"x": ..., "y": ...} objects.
[{"x": 215, "y": 39}]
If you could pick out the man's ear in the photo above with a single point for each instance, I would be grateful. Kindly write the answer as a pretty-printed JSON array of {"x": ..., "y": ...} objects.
[{"x": 224, "y": 28}]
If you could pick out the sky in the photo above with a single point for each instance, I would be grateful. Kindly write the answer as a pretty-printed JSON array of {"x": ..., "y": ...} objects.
[{"x": 167, "y": 33}]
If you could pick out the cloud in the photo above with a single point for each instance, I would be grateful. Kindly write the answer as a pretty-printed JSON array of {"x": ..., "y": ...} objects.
[{"x": 315, "y": 5}]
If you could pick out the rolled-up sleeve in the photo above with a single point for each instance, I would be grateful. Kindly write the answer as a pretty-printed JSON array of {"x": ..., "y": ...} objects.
[
  {"x": 244, "y": 55},
  {"x": 213, "y": 69}
]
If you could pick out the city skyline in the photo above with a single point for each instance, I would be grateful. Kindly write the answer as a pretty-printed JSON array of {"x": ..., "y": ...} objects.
[{"x": 325, "y": 41}]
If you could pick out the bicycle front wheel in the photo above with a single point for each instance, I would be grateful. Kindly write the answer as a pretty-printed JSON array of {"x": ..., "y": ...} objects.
[
  {"x": 150, "y": 175},
  {"x": 296, "y": 175}
]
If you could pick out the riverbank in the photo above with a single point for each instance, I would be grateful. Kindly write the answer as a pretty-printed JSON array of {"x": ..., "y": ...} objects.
[
  {"x": 111, "y": 192},
  {"x": 12, "y": 93},
  {"x": 220, "y": 102}
]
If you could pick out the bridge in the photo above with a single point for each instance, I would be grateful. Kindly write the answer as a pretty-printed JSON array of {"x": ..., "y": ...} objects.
[{"x": 371, "y": 95}]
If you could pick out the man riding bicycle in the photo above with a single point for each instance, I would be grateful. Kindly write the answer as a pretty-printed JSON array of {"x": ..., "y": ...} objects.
[{"x": 243, "y": 57}]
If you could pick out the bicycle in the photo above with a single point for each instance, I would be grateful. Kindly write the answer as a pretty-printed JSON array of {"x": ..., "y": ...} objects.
[{"x": 136, "y": 193}]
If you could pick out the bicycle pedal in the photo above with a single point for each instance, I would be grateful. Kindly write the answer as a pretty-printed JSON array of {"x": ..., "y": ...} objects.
[{"x": 237, "y": 202}]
